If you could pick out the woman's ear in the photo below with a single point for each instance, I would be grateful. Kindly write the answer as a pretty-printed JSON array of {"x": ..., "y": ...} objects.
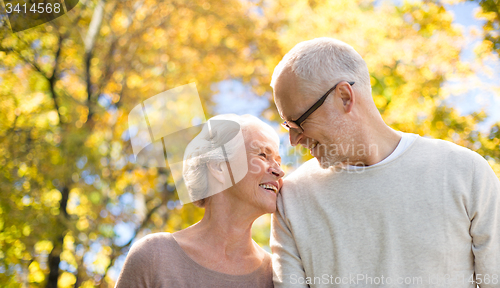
[{"x": 217, "y": 170}]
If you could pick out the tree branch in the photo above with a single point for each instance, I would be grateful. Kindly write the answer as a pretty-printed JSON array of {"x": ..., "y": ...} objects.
[
  {"x": 89, "y": 41},
  {"x": 53, "y": 78},
  {"x": 27, "y": 61}
]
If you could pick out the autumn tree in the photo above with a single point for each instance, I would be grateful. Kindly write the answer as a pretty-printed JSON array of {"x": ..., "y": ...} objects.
[
  {"x": 67, "y": 174},
  {"x": 490, "y": 12}
]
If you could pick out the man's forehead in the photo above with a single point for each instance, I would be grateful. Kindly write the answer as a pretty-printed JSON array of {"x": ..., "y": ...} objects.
[
  {"x": 280, "y": 112},
  {"x": 286, "y": 95}
]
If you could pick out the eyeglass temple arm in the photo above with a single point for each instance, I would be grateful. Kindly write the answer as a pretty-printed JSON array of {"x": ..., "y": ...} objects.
[{"x": 317, "y": 104}]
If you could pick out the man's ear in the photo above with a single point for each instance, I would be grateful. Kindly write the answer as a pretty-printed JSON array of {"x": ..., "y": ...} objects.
[
  {"x": 217, "y": 170},
  {"x": 347, "y": 96}
]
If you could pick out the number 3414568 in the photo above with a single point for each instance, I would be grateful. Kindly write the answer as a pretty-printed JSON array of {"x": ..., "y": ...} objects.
[{"x": 35, "y": 8}]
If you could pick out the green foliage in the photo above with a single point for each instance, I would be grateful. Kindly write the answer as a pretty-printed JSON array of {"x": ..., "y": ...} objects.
[{"x": 490, "y": 12}]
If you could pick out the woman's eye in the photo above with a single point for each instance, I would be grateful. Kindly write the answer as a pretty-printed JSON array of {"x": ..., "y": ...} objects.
[{"x": 263, "y": 155}]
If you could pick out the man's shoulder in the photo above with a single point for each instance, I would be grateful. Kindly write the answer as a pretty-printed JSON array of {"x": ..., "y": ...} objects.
[
  {"x": 304, "y": 177},
  {"x": 447, "y": 155},
  {"x": 448, "y": 149},
  {"x": 305, "y": 171}
]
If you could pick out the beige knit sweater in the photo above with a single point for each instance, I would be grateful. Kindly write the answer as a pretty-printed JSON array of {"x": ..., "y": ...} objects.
[{"x": 428, "y": 218}]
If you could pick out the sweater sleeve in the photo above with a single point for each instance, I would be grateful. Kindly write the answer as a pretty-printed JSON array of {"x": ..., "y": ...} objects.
[
  {"x": 485, "y": 224},
  {"x": 138, "y": 266},
  {"x": 287, "y": 264}
]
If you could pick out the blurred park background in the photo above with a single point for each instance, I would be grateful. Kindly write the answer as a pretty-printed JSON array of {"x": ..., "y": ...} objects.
[{"x": 72, "y": 198}]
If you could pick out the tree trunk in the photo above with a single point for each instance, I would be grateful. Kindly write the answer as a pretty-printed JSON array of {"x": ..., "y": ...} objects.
[{"x": 54, "y": 260}]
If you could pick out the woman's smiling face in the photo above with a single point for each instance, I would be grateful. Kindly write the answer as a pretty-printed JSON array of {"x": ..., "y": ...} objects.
[{"x": 260, "y": 186}]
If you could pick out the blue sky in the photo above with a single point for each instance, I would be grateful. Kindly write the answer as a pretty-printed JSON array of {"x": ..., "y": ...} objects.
[{"x": 475, "y": 99}]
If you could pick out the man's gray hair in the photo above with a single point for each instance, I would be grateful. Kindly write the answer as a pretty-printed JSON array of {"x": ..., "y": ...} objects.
[
  {"x": 322, "y": 62},
  {"x": 200, "y": 151}
]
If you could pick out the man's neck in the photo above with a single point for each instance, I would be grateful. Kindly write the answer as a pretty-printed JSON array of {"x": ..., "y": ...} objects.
[{"x": 377, "y": 144}]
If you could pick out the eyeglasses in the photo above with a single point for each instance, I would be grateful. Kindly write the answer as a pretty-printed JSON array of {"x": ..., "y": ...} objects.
[{"x": 295, "y": 124}]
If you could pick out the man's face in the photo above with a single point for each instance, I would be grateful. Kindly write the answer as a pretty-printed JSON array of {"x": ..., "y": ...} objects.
[{"x": 325, "y": 133}]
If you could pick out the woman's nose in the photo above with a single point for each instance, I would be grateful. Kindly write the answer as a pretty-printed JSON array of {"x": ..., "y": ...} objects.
[{"x": 276, "y": 170}]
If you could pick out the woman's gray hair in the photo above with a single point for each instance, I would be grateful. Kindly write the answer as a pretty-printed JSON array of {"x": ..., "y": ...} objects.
[
  {"x": 200, "y": 151},
  {"x": 322, "y": 62}
]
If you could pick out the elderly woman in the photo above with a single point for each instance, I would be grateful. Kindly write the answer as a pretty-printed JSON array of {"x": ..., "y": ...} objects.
[{"x": 218, "y": 251}]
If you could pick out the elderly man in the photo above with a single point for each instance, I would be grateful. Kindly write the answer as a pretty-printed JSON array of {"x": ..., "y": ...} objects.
[{"x": 375, "y": 207}]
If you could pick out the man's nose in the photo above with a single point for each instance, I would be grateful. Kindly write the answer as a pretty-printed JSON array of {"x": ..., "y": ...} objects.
[{"x": 295, "y": 136}]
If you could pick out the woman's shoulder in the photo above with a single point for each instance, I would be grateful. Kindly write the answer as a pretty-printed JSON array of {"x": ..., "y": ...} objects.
[
  {"x": 144, "y": 257},
  {"x": 152, "y": 244},
  {"x": 159, "y": 238}
]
